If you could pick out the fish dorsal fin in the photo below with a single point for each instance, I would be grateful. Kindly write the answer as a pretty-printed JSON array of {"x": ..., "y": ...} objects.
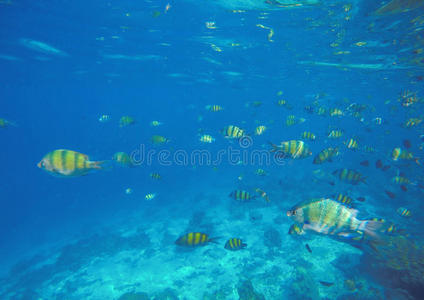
[{"x": 307, "y": 202}]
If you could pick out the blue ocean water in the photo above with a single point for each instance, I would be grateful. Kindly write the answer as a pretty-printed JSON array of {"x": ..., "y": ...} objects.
[{"x": 200, "y": 68}]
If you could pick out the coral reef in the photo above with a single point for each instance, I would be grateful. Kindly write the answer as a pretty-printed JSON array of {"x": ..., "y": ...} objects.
[
  {"x": 134, "y": 296},
  {"x": 27, "y": 278},
  {"x": 397, "y": 264},
  {"x": 247, "y": 292},
  {"x": 168, "y": 294},
  {"x": 272, "y": 238},
  {"x": 304, "y": 286}
]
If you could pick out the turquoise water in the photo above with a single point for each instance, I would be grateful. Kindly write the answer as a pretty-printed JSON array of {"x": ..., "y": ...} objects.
[{"x": 186, "y": 74}]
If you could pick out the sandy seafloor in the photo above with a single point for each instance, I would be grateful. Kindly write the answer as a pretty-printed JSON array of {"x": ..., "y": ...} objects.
[{"x": 135, "y": 252}]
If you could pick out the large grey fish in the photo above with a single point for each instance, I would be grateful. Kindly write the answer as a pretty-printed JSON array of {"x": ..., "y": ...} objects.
[{"x": 326, "y": 216}]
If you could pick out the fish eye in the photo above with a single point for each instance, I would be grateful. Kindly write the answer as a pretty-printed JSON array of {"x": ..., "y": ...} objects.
[{"x": 291, "y": 213}]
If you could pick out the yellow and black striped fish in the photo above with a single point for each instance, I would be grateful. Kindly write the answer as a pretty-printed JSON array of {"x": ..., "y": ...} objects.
[
  {"x": 206, "y": 138},
  {"x": 325, "y": 155},
  {"x": 155, "y": 175},
  {"x": 296, "y": 230},
  {"x": 292, "y": 149},
  {"x": 241, "y": 195},
  {"x": 403, "y": 212},
  {"x": 261, "y": 172},
  {"x": 321, "y": 111},
  {"x": 233, "y": 132},
  {"x": 342, "y": 198},
  {"x": 349, "y": 176},
  {"x": 235, "y": 244},
  {"x": 308, "y": 135},
  {"x": 158, "y": 139},
  {"x": 412, "y": 122},
  {"x": 214, "y": 107},
  {"x": 336, "y": 112},
  {"x": 260, "y": 129},
  {"x": 369, "y": 149},
  {"x": 126, "y": 121},
  {"x": 123, "y": 159},
  {"x": 292, "y": 120},
  {"x": 335, "y": 133},
  {"x": 194, "y": 239},
  {"x": 401, "y": 180},
  {"x": 352, "y": 144},
  {"x": 68, "y": 163},
  {"x": 281, "y": 102},
  {"x": 399, "y": 153}
]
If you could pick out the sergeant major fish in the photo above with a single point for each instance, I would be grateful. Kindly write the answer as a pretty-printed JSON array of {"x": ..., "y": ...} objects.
[
  {"x": 235, "y": 244},
  {"x": 326, "y": 155},
  {"x": 292, "y": 149},
  {"x": 349, "y": 176},
  {"x": 194, "y": 239},
  {"x": 241, "y": 195},
  {"x": 68, "y": 163}
]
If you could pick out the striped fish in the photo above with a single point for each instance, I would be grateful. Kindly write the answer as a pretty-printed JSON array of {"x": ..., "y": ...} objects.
[
  {"x": 296, "y": 230},
  {"x": 342, "y": 198},
  {"x": 206, "y": 138},
  {"x": 352, "y": 144},
  {"x": 260, "y": 130},
  {"x": 292, "y": 149},
  {"x": 123, "y": 159},
  {"x": 336, "y": 112},
  {"x": 158, "y": 139},
  {"x": 235, "y": 244},
  {"x": 194, "y": 239},
  {"x": 308, "y": 135},
  {"x": 321, "y": 111},
  {"x": 326, "y": 216},
  {"x": 214, "y": 107},
  {"x": 156, "y": 176},
  {"x": 349, "y": 176},
  {"x": 126, "y": 121},
  {"x": 241, "y": 195},
  {"x": 412, "y": 122},
  {"x": 403, "y": 212},
  {"x": 68, "y": 163},
  {"x": 399, "y": 153},
  {"x": 233, "y": 132},
  {"x": 150, "y": 197},
  {"x": 335, "y": 134},
  {"x": 326, "y": 155}
]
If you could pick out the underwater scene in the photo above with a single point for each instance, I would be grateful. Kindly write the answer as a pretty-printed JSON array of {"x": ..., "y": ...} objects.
[{"x": 211, "y": 150}]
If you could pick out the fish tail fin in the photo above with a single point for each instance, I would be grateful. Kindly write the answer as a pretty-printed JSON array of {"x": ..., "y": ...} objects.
[
  {"x": 372, "y": 228},
  {"x": 101, "y": 165},
  {"x": 274, "y": 146}
]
